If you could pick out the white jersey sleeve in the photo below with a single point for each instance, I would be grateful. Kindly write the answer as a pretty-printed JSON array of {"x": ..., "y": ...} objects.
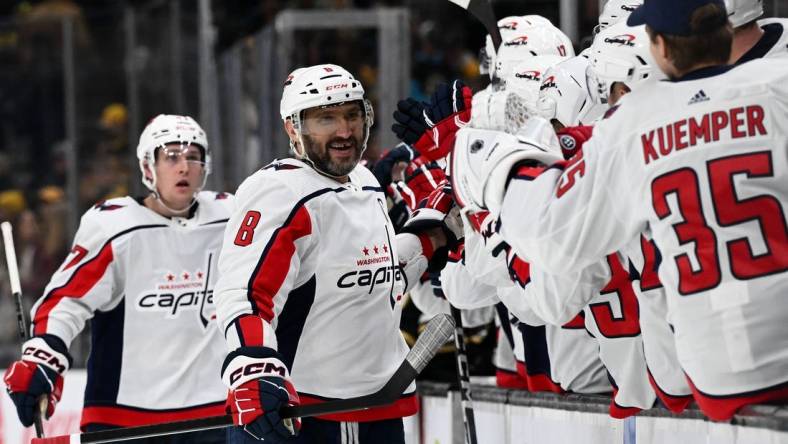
[
  {"x": 659, "y": 347},
  {"x": 88, "y": 280},
  {"x": 266, "y": 243},
  {"x": 462, "y": 288}
]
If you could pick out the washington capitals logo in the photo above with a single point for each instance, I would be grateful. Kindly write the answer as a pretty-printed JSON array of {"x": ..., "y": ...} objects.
[
  {"x": 104, "y": 206},
  {"x": 548, "y": 83},
  {"x": 529, "y": 75},
  {"x": 181, "y": 292},
  {"x": 622, "y": 40},
  {"x": 517, "y": 41},
  {"x": 511, "y": 26}
]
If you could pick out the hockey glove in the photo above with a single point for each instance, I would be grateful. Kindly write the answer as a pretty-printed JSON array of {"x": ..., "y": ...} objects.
[
  {"x": 420, "y": 181},
  {"x": 483, "y": 160},
  {"x": 431, "y": 127},
  {"x": 573, "y": 138},
  {"x": 488, "y": 227},
  {"x": 259, "y": 386},
  {"x": 384, "y": 167},
  {"x": 38, "y": 373},
  {"x": 437, "y": 211}
]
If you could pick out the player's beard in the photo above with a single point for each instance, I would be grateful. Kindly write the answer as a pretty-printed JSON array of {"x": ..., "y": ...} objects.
[{"x": 323, "y": 161}]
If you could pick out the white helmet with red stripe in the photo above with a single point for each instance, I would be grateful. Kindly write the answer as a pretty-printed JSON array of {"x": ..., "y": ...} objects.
[
  {"x": 166, "y": 129},
  {"x": 615, "y": 11},
  {"x": 321, "y": 85},
  {"x": 534, "y": 42},
  {"x": 620, "y": 53},
  {"x": 741, "y": 12},
  {"x": 523, "y": 37},
  {"x": 564, "y": 95}
]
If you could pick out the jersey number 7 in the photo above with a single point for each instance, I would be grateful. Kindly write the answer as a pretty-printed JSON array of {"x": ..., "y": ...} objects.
[{"x": 729, "y": 210}]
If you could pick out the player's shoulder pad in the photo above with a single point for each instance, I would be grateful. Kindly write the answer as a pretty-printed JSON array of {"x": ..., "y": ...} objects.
[
  {"x": 278, "y": 179},
  {"x": 364, "y": 176},
  {"x": 107, "y": 218},
  {"x": 215, "y": 205}
]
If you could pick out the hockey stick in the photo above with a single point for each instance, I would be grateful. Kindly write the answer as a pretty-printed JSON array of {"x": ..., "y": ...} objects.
[
  {"x": 483, "y": 11},
  {"x": 21, "y": 319},
  {"x": 463, "y": 374},
  {"x": 437, "y": 332}
]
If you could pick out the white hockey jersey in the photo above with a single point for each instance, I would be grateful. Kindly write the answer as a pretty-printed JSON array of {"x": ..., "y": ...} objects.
[
  {"x": 702, "y": 164},
  {"x": 314, "y": 261},
  {"x": 146, "y": 284},
  {"x": 609, "y": 310},
  {"x": 659, "y": 347},
  {"x": 548, "y": 358},
  {"x": 773, "y": 42}
]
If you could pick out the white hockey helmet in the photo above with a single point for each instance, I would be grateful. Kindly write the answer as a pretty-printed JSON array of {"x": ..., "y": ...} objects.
[
  {"x": 615, "y": 11},
  {"x": 564, "y": 95},
  {"x": 321, "y": 85},
  {"x": 526, "y": 36},
  {"x": 741, "y": 12},
  {"x": 526, "y": 77},
  {"x": 536, "y": 41},
  {"x": 167, "y": 129},
  {"x": 620, "y": 53},
  {"x": 509, "y": 105}
]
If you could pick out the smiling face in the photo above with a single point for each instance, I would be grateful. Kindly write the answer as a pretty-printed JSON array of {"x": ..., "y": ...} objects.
[
  {"x": 333, "y": 137},
  {"x": 180, "y": 171}
]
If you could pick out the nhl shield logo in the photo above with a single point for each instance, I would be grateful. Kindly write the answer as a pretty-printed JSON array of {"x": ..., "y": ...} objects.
[{"x": 567, "y": 141}]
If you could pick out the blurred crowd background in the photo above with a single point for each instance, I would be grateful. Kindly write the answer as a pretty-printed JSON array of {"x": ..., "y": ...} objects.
[{"x": 79, "y": 79}]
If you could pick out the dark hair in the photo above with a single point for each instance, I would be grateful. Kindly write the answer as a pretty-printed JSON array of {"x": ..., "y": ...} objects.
[{"x": 709, "y": 42}]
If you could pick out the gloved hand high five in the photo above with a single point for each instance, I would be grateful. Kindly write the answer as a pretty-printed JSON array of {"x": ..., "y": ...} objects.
[
  {"x": 419, "y": 182},
  {"x": 431, "y": 127},
  {"x": 482, "y": 162},
  {"x": 385, "y": 167},
  {"x": 39, "y": 372},
  {"x": 437, "y": 210},
  {"x": 259, "y": 386}
]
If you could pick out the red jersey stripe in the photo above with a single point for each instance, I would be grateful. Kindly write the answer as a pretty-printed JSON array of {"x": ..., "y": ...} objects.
[
  {"x": 674, "y": 403},
  {"x": 722, "y": 408},
  {"x": 275, "y": 265},
  {"x": 81, "y": 282},
  {"x": 131, "y": 417},
  {"x": 406, "y": 405}
]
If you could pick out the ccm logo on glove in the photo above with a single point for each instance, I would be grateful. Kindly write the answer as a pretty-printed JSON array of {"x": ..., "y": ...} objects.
[
  {"x": 44, "y": 357},
  {"x": 258, "y": 368}
]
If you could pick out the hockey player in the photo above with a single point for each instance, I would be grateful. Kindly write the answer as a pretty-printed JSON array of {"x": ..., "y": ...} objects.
[
  {"x": 143, "y": 271},
  {"x": 312, "y": 276},
  {"x": 690, "y": 161},
  {"x": 615, "y": 11},
  {"x": 752, "y": 38}
]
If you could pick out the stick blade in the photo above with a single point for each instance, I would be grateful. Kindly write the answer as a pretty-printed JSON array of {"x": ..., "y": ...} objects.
[{"x": 483, "y": 11}]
